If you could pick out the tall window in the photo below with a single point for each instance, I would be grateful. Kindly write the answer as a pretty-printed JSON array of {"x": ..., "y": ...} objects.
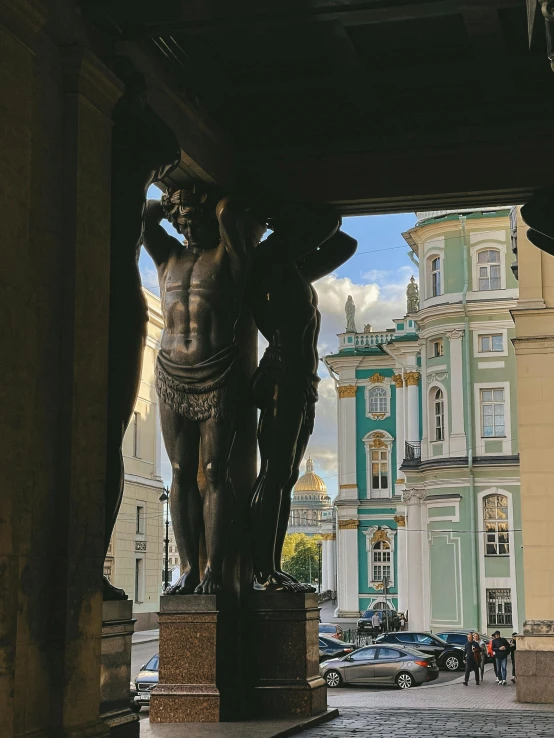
[
  {"x": 438, "y": 348},
  {"x": 495, "y": 515},
  {"x": 488, "y": 264},
  {"x": 438, "y": 405},
  {"x": 492, "y": 413},
  {"x": 136, "y": 449},
  {"x": 492, "y": 342},
  {"x": 379, "y": 472},
  {"x": 381, "y": 561},
  {"x": 436, "y": 276},
  {"x": 378, "y": 400},
  {"x": 499, "y": 607},
  {"x": 140, "y": 519},
  {"x": 139, "y": 580}
]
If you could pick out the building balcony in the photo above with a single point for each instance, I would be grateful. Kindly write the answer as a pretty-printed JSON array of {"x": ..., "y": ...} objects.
[{"x": 412, "y": 454}]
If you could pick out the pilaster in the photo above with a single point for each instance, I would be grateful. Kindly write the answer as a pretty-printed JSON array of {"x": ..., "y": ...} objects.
[
  {"x": 457, "y": 426},
  {"x": 400, "y": 423},
  {"x": 401, "y": 558},
  {"x": 347, "y": 552},
  {"x": 413, "y": 498},
  {"x": 411, "y": 380},
  {"x": 348, "y": 489}
]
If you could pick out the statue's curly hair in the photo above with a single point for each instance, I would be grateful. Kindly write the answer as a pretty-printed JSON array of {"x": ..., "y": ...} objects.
[{"x": 178, "y": 203}]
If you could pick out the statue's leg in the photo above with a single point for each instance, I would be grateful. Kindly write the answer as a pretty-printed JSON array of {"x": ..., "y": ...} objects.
[
  {"x": 182, "y": 437},
  {"x": 277, "y": 437},
  {"x": 216, "y": 444}
]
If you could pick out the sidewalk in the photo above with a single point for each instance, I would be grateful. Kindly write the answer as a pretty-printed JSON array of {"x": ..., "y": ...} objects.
[
  {"x": 327, "y": 615},
  {"x": 146, "y": 636}
]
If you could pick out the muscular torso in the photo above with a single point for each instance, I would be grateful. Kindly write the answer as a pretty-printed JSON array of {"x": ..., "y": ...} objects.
[
  {"x": 200, "y": 302},
  {"x": 285, "y": 310}
]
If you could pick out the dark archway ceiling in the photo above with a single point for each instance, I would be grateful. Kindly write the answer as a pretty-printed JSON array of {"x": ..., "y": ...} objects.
[{"x": 376, "y": 105}]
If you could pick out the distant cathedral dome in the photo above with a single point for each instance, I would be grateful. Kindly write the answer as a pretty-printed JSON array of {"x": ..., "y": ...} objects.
[{"x": 310, "y": 482}]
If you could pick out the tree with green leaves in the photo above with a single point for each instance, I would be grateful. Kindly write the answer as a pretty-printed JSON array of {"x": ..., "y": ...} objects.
[{"x": 301, "y": 557}]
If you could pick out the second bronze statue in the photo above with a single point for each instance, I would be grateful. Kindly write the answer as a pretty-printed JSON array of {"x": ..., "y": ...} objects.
[{"x": 205, "y": 283}]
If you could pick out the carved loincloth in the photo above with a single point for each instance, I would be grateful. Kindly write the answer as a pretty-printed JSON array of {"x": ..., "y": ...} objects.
[
  {"x": 201, "y": 391},
  {"x": 276, "y": 366}
]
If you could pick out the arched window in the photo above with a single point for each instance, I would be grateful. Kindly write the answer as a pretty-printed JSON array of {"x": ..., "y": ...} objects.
[
  {"x": 377, "y": 400},
  {"x": 488, "y": 265},
  {"x": 438, "y": 409},
  {"x": 495, "y": 514},
  {"x": 381, "y": 561}
]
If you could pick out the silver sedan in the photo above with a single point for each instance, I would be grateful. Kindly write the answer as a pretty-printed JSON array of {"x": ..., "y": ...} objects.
[{"x": 403, "y": 666}]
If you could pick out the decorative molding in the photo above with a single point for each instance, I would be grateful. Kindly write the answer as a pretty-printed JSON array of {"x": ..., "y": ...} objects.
[
  {"x": 412, "y": 379},
  {"x": 397, "y": 379},
  {"x": 400, "y": 521},
  {"x": 378, "y": 443},
  {"x": 455, "y": 335},
  {"x": 377, "y": 379},
  {"x": 379, "y": 535},
  {"x": 436, "y": 377},
  {"x": 348, "y": 524},
  {"x": 414, "y": 496},
  {"x": 348, "y": 486},
  {"x": 328, "y": 536},
  {"x": 377, "y": 416},
  {"x": 346, "y": 390},
  {"x": 140, "y": 545}
]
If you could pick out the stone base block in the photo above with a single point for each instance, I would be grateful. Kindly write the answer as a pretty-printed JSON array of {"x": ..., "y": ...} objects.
[
  {"x": 115, "y": 674},
  {"x": 534, "y": 662},
  {"x": 185, "y": 703},
  {"x": 284, "y": 644}
]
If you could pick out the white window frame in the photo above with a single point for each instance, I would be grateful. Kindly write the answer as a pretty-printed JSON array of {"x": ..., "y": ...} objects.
[
  {"x": 494, "y": 402},
  {"x": 432, "y": 343},
  {"x": 441, "y": 425},
  {"x": 492, "y": 331},
  {"x": 486, "y": 520},
  {"x": 505, "y": 440},
  {"x": 381, "y": 549},
  {"x": 369, "y": 545},
  {"x": 432, "y": 272},
  {"x": 378, "y": 415},
  {"x": 387, "y": 440},
  {"x": 488, "y": 246},
  {"x": 487, "y": 266},
  {"x": 433, "y": 387}
]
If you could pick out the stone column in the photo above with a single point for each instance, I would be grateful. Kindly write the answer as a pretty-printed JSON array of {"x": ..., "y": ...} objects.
[
  {"x": 412, "y": 381},
  {"x": 424, "y": 400},
  {"x": 347, "y": 574},
  {"x": 328, "y": 562},
  {"x": 347, "y": 441},
  {"x": 402, "y": 560},
  {"x": 457, "y": 426},
  {"x": 414, "y": 539},
  {"x": 400, "y": 434}
]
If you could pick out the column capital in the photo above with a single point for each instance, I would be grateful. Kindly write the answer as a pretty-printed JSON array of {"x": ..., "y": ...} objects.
[
  {"x": 328, "y": 536},
  {"x": 348, "y": 524},
  {"x": 400, "y": 521},
  {"x": 397, "y": 379},
  {"x": 412, "y": 379},
  {"x": 414, "y": 496},
  {"x": 455, "y": 335},
  {"x": 346, "y": 390}
]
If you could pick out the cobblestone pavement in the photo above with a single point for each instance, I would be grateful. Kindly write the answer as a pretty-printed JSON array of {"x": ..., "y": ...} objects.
[{"x": 433, "y": 723}]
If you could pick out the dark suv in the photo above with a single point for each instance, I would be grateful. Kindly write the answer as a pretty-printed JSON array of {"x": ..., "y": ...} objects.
[
  {"x": 449, "y": 656},
  {"x": 459, "y": 638},
  {"x": 364, "y": 623}
]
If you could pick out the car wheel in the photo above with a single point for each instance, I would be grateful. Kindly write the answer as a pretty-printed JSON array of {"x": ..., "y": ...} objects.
[
  {"x": 452, "y": 663},
  {"x": 405, "y": 680},
  {"x": 333, "y": 678},
  {"x": 136, "y": 708}
]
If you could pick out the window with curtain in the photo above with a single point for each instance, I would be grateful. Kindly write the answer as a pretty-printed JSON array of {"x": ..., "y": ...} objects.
[
  {"x": 488, "y": 266},
  {"x": 492, "y": 413}
]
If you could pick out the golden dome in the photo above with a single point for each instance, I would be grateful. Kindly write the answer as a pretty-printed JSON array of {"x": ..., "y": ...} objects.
[{"x": 310, "y": 482}]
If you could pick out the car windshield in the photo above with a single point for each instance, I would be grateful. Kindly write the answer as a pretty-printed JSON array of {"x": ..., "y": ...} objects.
[
  {"x": 368, "y": 614},
  {"x": 152, "y": 665}
]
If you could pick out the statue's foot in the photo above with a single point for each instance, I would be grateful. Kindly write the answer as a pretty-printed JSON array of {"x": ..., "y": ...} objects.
[
  {"x": 210, "y": 584},
  {"x": 286, "y": 575},
  {"x": 276, "y": 581},
  {"x": 185, "y": 585},
  {"x": 111, "y": 593}
]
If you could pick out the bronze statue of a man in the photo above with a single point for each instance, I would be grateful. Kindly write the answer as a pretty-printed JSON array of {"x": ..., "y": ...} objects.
[
  {"x": 305, "y": 245},
  {"x": 201, "y": 284}
]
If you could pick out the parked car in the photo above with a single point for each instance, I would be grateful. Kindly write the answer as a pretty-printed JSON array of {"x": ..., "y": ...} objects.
[
  {"x": 403, "y": 666},
  {"x": 331, "y": 629},
  {"x": 364, "y": 623},
  {"x": 330, "y": 648},
  {"x": 448, "y": 656},
  {"x": 459, "y": 638},
  {"x": 144, "y": 683}
]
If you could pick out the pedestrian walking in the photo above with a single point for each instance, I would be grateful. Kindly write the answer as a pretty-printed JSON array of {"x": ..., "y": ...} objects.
[
  {"x": 501, "y": 649},
  {"x": 513, "y": 646},
  {"x": 483, "y": 647},
  {"x": 402, "y": 621},
  {"x": 490, "y": 654},
  {"x": 472, "y": 652},
  {"x": 375, "y": 623}
]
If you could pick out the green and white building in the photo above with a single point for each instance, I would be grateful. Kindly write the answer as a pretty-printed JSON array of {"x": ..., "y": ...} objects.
[{"x": 429, "y": 493}]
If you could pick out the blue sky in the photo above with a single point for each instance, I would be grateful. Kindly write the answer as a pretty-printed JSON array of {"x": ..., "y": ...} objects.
[{"x": 376, "y": 276}]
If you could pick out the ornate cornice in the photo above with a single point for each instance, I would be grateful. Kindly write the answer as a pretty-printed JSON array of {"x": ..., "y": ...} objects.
[
  {"x": 414, "y": 495},
  {"x": 455, "y": 335},
  {"x": 400, "y": 521},
  {"x": 412, "y": 379},
  {"x": 377, "y": 379},
  {"x": 397, "y": 379},
  {"x": 328, "y": 536},
  {"x": 348, "y": 486},
  {"x": 348, "y": 524},
  {"x": 346, "y": 390}
]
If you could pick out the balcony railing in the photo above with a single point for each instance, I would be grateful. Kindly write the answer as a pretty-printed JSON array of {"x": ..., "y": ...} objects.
[
  {"x": 372, "y": 339},
  {"x": 412, "y": 451}
]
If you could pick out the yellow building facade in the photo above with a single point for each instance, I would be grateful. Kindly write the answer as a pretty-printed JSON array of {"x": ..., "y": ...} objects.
[
  {"x": 534, "y": 346},
  {"x": 136, "y": 557}
]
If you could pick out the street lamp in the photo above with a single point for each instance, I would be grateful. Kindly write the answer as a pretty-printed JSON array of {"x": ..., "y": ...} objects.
[
  {"x": 164, "y": 497},
  {"x": 319, "y": 545},
  {"x": 385, "y": 588}
]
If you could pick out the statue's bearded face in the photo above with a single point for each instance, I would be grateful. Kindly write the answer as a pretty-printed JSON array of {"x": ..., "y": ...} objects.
[{"x": 193, "y": 215}]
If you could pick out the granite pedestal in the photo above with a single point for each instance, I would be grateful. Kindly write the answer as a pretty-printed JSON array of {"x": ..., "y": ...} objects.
[
  {"x": 195, "y": 639},
  {"x": 534, "y": 662},
  {"x": 285, "y": 653},
  {"x": 115, "y": 675}
]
